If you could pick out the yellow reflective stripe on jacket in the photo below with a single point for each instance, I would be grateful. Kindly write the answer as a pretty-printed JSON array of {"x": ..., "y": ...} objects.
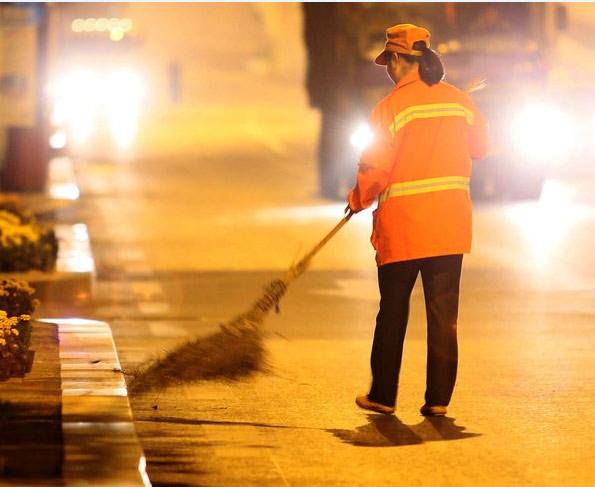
[
  {"x": 430, "y": 110},
  {"x": 425, "y": 186}
]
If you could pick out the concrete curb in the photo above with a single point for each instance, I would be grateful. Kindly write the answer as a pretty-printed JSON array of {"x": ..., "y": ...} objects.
[
  {"x": 101, "y": 447},
  {"x": 100, "y": 442},
  {"x": 75, "y": 268}
]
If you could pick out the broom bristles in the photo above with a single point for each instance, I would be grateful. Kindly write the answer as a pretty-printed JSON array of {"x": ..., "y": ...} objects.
[{"x": 235, "y": 351}]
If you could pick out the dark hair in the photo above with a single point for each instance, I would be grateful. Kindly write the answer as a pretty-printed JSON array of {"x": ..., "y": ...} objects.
[{"x": 431, "y": 69}]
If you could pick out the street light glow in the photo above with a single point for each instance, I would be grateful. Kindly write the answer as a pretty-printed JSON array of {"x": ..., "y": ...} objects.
[
  {"x": 101, "y": 25},
  {"x": 78, "y": 25},
  {"x": 89, "y": 25},
  {"x": 116, "y": 27},
  {"x": 116, "y": 34}
]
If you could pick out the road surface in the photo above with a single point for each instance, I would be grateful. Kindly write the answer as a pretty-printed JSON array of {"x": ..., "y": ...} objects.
[
  {"x": 185, "y": 244},
  {"x": 185, "y": 236}
]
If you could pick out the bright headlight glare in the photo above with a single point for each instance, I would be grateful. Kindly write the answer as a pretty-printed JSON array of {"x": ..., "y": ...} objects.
[
  {"x": 542, "y": 132},
  {"x": 590, "y": 136},
  {"x": 83, "y": 99},
  {"x": 126, "y": 91},
  {"x": 58, "y": 139},
  {"x": 362, "y": 136}
]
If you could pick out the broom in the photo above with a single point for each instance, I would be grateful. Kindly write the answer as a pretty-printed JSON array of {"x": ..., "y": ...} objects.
[{"x": 235, "y": 350}]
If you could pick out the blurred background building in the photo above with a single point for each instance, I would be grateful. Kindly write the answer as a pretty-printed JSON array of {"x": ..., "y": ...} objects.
[
  {"x": 147, "y": 77},
  {"x": 117, "y": 80},
  {"x": 176, "y": 61},
  {"x": 23, "y": 75}
]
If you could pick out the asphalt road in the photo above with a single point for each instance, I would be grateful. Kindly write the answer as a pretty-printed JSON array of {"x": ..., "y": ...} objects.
[
  {"x": 219, "y": 196},
  {"x": 185, "y": 244},
  {"x": 220, "y": 201}
]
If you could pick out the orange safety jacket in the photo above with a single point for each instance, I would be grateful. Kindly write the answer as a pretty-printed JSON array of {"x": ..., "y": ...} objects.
[{"x": 418, "y": 167}]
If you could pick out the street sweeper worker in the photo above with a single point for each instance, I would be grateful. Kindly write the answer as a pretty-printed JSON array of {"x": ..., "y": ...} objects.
[{"x": 418, "y": 165}]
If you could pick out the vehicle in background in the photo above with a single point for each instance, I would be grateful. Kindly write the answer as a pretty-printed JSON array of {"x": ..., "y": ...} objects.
[
  {"x": 95, "y": 90},
  {"x": 95, "y": 106},
  {"x": 505, "y": 43}
]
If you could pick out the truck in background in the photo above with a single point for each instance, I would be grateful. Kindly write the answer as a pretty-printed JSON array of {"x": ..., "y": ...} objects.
[
  {"x": 507, "y": 44},
  {"x": 96, "y": 83}
]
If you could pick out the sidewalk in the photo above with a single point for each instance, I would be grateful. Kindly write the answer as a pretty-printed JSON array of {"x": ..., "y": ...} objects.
[{"x": 68, "y": 422}]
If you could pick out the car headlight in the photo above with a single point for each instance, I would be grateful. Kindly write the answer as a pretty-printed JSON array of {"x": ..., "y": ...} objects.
[
  {"x": 124, "y": 92},
  {"x": 83, "y": 99},
  {"x": 590, "y": 136},
  {"x": 542, "y": 132},
  {"x": 58, "y": 139},
  {"x": 362, "y": 136}
]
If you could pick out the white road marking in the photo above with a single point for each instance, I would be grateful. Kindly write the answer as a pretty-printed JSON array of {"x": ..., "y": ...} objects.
[{"x": 153, "y": 308}]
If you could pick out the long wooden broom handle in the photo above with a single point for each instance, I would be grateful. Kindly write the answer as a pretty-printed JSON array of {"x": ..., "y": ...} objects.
[{"x": 298, "y": 268}]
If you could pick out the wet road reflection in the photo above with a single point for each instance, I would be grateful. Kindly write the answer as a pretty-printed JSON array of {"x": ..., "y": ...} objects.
[{"x": 547, "y": 227}]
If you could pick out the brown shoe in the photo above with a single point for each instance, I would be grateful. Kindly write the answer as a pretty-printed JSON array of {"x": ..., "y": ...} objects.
[
  {"x": 427, "y": 410},
  {"x": 365, "y": 403}
]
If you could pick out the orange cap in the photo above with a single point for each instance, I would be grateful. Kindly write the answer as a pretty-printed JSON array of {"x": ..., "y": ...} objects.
[{"x": 400, "y": 39}]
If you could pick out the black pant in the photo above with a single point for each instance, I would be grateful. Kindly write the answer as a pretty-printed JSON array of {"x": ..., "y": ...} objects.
[{"x": 440, "y": 277}]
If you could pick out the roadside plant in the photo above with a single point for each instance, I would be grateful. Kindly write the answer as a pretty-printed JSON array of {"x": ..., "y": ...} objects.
[
  {"x": 13, "y": 207},
  {"x": 16, "y": 306},
  {"x": 15, "y": 336},
  {"x": 16, "y": 297},
  {"x": 24, "y": 243}
]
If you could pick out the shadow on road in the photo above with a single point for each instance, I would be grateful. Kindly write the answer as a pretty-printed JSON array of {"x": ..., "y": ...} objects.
[
  {"x": 384, "y": 430},
  {"x": 199, "y": 422},
  {"x": 381, "y": 430}
]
